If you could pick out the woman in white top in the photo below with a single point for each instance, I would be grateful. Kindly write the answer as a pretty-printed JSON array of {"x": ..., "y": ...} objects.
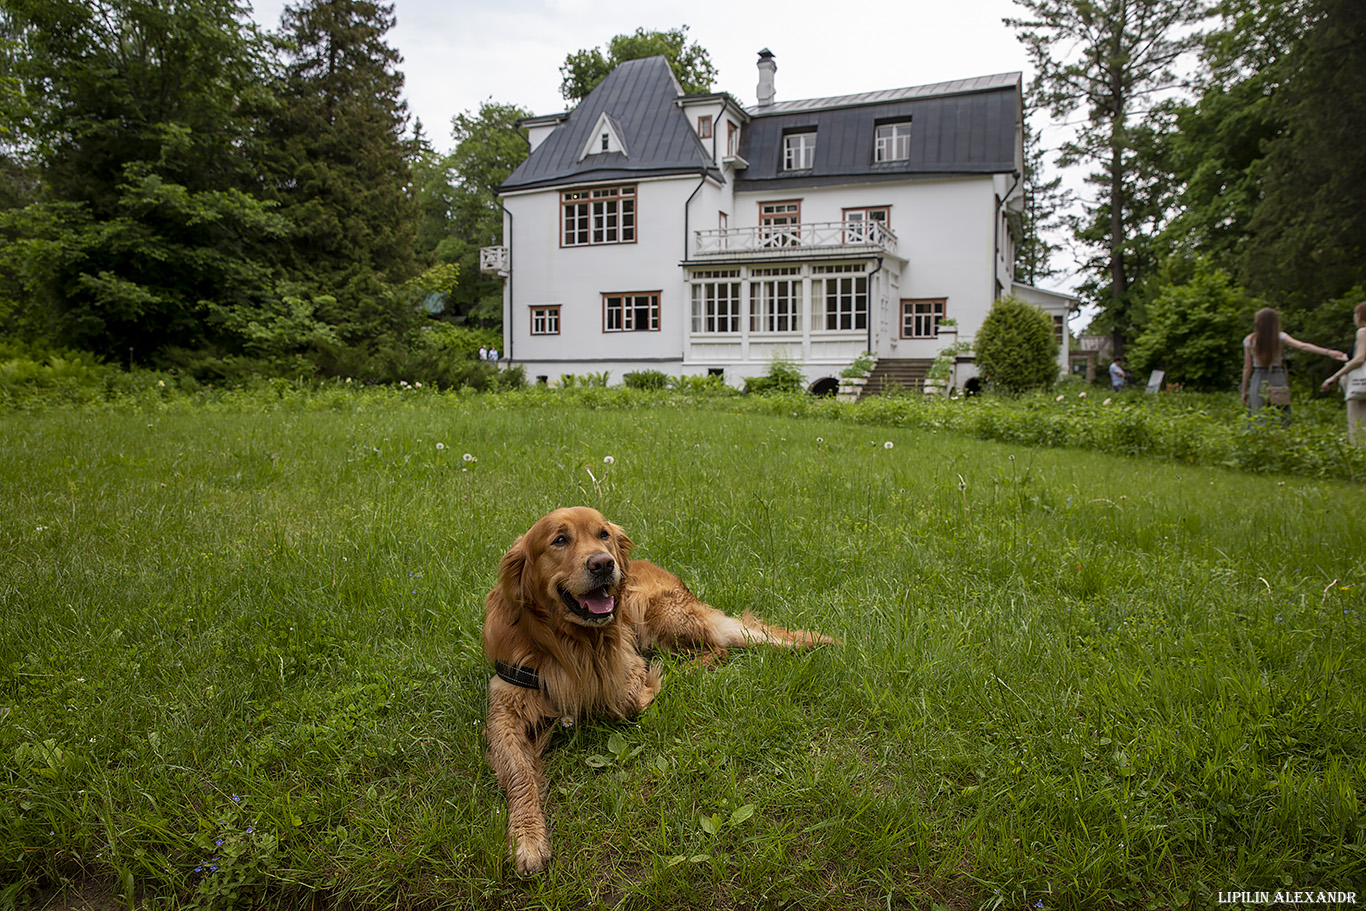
[
  {"x": 1264, "y": 362},
  {"x": 1356, "y": 408}
]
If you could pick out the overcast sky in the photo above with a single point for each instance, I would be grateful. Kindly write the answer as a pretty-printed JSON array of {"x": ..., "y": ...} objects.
[{"x": 459, "y": 53}]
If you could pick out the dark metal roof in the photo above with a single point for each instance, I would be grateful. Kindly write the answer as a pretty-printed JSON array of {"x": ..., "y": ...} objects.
[
  {"x": 639, "y": 97},
  {"x": 966, "y": 127}
]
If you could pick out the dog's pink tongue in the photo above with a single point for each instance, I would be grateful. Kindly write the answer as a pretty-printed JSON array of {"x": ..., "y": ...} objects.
[{"x": 598, "y": 602}]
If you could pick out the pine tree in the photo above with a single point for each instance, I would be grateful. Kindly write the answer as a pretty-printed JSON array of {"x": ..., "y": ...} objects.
[
  {"x": 339, "y": 164},
  {"x": 1107, "y": 58},
  {"x": 1040, "y": 217}
]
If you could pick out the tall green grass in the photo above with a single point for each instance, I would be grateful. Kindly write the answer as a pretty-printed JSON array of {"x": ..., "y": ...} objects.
[{"x": 240, "y": 664}]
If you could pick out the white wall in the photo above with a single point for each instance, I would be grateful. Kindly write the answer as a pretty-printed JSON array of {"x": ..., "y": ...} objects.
[{"x": 575, "y": 278}]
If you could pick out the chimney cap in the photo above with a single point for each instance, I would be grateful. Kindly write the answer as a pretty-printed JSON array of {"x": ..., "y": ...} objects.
[{"x": 766, "y": 54}]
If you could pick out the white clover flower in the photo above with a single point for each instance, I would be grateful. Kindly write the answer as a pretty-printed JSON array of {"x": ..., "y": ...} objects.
[
  {"x": 419, "y": 386},
  {"x": 1107, "y": 401},
  {"x": 1082, "y": 394},
  {"x": 1060, "y": 398}
]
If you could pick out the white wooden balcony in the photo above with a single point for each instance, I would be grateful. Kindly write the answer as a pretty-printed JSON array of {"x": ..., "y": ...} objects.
[
  {"x": 494, "y": 261},
  {"x": 799, "y": 241}
]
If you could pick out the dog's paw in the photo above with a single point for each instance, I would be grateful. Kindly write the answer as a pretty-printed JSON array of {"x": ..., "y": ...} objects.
[{"x": 533, "y": 854}]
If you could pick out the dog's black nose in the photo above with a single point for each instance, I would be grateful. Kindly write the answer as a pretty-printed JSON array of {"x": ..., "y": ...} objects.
[{"x": 601, "y": 564}]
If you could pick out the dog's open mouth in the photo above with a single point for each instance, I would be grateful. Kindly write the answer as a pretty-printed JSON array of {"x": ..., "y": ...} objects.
[{"x": 596, "y": 606}]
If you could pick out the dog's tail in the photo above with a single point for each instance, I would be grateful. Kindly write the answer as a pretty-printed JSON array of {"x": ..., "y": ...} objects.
[{"x": 757, "y": 632}]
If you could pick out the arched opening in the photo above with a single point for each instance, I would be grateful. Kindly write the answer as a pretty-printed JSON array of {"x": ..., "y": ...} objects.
[{"x": 825, "y": 386}]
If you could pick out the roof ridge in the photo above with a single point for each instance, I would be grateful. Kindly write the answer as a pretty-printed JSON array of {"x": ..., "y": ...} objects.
[{"x": 926, "y": 90}]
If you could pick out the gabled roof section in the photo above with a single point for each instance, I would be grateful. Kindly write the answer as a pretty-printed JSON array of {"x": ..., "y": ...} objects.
[
  {"x": 969, "y": 126},
  {"x": 638, "y": 100}
]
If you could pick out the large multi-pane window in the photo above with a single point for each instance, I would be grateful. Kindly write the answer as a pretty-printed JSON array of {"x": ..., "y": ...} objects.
[
  {"x": 842, "y": 293},
  {"x": 715, "y": 302},
  {"x": 631, "y": 312},
  {"x": 893, "y": 142},
  {"x": 604, "y": 215},
  {"x": 920, "y": 318},
  {"x": 775, "y": 303},
  {"x": 799, "y": 151}
]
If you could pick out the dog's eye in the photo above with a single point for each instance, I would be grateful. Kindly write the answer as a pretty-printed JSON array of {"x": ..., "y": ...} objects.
[
  {"x": 560, "y": 541},
  {"x": 604, "y": 534}
]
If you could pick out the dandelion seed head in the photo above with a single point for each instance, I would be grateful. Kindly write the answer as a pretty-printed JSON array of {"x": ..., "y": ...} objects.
[
  {"x": 440, "y": 446},
  {"x": 608, "y": 460},
  {"x": 887, "y": 445},
  {"x": 467, "y": 457}
]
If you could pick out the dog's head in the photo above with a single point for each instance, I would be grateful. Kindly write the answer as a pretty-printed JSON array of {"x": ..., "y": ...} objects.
[{"x": 568, "y": 566}]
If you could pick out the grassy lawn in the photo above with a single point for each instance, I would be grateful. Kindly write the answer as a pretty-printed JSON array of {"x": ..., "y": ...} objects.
[{"x": 240, "y": 663}]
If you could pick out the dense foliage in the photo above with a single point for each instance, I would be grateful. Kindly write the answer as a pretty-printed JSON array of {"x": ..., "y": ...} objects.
[{"x": 180, "y": 191}]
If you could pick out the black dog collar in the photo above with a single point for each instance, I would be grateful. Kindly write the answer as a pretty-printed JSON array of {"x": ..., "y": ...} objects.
[{"x": 517, "y": 675}]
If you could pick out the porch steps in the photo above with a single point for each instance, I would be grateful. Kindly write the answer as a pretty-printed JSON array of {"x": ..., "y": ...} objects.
[{"x": 897, "y": 374}]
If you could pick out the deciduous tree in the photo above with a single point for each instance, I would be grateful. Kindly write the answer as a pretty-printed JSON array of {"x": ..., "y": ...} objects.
[
  {"x": 146, "y": 225},
  {"x": 691, "y": 63}
]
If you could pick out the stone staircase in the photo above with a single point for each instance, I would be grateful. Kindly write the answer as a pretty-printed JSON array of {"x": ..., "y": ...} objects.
[{"x": 901, "y": 374}]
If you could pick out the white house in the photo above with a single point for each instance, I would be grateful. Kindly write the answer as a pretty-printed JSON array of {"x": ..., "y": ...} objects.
[{"x": 649, "y": 229}]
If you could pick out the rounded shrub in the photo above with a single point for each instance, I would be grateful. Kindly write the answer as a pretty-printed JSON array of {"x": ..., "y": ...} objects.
[{"x": 1015, "y": 350}]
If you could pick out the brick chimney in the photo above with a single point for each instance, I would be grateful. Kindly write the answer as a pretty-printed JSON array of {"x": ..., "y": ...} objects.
[{"x": 767, "y": 67}]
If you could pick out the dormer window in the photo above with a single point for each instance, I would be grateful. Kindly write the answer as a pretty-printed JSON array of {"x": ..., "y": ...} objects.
[
  {"x": 893, "y": 141},
  {"x": 704, "y": 127},
  {"x": 799, "y": 150},
  {"x": 606, "y": 137}
]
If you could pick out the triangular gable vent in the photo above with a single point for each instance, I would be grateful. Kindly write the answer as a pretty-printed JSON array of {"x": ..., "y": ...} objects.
[{"x": 604, "y": 138}]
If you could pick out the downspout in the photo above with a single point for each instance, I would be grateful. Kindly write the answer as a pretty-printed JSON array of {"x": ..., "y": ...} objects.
[
  {"x": 869, "y": 349},
  {"x": 687, "y": 209},
  {"x": 996, "y": 225},
  {"x": 507, "y": 238}
]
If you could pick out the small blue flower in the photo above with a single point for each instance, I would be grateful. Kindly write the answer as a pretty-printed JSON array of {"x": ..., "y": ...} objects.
[
  {"x": 236, "y": 799},
  {"x": 218, "y": 843},
  {"x": 250, "y": 829}
]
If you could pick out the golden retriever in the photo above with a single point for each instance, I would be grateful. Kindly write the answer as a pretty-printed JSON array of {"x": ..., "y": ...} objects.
[{"x": 566, "y": 628}]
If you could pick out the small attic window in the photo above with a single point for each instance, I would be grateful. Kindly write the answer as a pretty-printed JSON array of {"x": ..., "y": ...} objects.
[{"x": 604, "y": 138}]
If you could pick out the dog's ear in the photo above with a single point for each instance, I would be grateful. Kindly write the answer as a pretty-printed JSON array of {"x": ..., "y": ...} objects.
[
  {"x": 510, "y": 573},
  {"x": 624, "y": 543}
]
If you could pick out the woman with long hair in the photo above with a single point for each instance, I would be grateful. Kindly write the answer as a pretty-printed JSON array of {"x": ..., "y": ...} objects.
[
  {"x": 1265, "y": 383},
  {"x": 1356, "y": 405}
]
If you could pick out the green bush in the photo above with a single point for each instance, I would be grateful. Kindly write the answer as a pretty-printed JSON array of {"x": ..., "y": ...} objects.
[
  {"x": 1195, "y": 331},
  {"x": 703, "y": 385},
  {"x": 646, "y": 379},
  {"x": 1015, "y": 349},
  {"x": 782, "y": 376}
]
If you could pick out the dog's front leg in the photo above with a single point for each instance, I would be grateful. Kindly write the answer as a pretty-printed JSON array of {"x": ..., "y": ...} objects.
[{"x": 518, "y": 731}]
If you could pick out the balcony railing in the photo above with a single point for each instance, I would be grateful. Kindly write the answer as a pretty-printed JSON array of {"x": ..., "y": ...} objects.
[
  {"x": 494, "y": 261},
  {"x": 796, "y": 240}
]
